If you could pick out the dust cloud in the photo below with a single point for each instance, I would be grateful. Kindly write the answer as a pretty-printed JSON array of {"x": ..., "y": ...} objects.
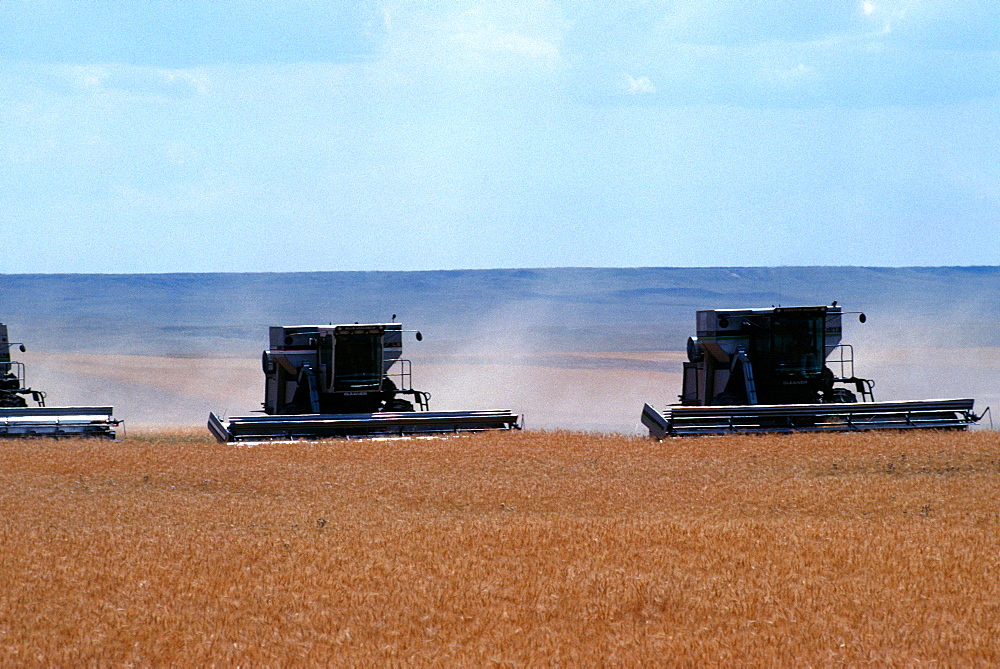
[
  {"x": 507, "y": 361},
  {"x": 925, "y": 356},
  {"x": 592, "y": 392},
  {"x": 504, "y": 360},
  {"x": 148, "y": 390}
]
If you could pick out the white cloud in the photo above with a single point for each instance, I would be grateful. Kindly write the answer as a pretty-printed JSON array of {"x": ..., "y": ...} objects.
[
  {"x": 166, "y": 33},
  {"x": 637, "y": 85},
  {"x": 797, "y": 73},
  {"x": 784, "y": 53},
  {"x": 490, "y": 40},
  {"x": 147, "y": 82},
  {"x": 87, "y": 77},
  {"x": 491, "y": 36},
  {"x": 956, "y": 25}
]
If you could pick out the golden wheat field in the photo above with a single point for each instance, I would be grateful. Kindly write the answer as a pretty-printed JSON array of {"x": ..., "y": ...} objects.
[{"x": 532, "y": 548}]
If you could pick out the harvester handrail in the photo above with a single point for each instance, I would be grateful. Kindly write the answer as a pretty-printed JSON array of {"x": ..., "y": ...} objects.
[
  {"x": 756, "y": 410},
  {"x": 846, "y": 363},
  {"x": 18, "y": 369},
  {"x": 404, "y": 375},
  {"x": 56, "y": 411}
]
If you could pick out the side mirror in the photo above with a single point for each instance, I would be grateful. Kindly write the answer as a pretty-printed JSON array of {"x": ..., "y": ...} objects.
[
  {"x": 420, "y": 337},
  {"x": 22, "y": 348},
  {"x": 862, "y": 318}
]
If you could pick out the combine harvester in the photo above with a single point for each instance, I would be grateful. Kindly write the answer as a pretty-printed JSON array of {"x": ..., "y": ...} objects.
[
  {"x": 785, "y": 370},
  {"x": 17, "y": 419},
  {"x": 346, "y": 381}
]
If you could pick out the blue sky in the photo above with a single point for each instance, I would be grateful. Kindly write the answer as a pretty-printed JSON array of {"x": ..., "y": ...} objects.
[{"x": 295, "y": 135}]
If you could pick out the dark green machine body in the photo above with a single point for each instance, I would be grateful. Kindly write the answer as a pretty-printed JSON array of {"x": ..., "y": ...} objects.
[
  {"x": 337, "y": 369},
  {"x": 13, "y": 392},
  {"x": 770, "y": 356}
]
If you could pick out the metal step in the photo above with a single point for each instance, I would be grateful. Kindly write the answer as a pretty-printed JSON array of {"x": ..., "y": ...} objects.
[
  {"x": 58, "y": 422},
  {"x": 321, "y": 426},
  {"x": 680, "y": 420}
]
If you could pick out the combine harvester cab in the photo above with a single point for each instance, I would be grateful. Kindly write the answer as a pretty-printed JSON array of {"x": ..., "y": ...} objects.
[
  {"x": 346, "y": 381},
  {"x": 784, "y": 370},
  {"x": 17, "y": 419}
]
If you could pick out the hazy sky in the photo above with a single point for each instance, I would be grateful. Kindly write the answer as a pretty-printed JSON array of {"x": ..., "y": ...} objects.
[{"x": 292, "y": 135}]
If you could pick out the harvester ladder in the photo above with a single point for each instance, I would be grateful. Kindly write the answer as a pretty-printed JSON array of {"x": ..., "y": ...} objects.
[
  {"x": 310, "y": 376},
  {"x": 742, "y": 358}
]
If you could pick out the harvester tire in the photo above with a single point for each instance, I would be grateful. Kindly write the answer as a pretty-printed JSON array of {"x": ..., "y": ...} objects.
[
  {"x": 842, "y": 396},
  {"x": 397, "y": 404},
  {"x": 11, "y": 400}
]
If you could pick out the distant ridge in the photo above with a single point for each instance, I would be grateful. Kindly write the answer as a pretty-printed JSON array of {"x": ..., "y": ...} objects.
[{"x": 581, "y": 309}]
